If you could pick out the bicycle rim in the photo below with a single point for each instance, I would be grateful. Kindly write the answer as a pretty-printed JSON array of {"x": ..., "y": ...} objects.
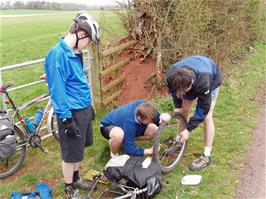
[
  {"x": 13, "y": 163},
  {"x": 167, "y": 139}
]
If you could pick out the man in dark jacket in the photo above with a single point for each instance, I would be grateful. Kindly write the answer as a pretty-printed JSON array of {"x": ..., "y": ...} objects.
[{"x": 196, "y": 77}]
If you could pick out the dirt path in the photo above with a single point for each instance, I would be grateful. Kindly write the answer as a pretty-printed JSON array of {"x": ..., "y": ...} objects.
[{"x": 253, "y": 175}]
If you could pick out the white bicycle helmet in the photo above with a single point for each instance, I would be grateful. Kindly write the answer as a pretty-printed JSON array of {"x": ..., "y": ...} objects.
[{"x": 87, "y": 23}]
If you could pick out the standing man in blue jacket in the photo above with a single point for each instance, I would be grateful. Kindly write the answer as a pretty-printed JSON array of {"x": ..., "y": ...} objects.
[
  {"x": 196, "y": 78},
  {"x": 71, "y": 100},
  {"x": 137, "y": 120}
]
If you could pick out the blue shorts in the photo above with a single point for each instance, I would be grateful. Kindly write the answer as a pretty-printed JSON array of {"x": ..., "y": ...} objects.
[{"x": 214, "y": 94}]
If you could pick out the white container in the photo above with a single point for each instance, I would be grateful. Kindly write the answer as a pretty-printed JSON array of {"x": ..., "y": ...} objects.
[{"x": 191, "y": 179}]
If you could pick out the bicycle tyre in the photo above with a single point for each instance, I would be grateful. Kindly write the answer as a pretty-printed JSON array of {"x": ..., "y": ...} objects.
[
  {"x": 171, "y": 150},
  {"x": 52, "y": 124},
  {"x": 17, "y": 158}
]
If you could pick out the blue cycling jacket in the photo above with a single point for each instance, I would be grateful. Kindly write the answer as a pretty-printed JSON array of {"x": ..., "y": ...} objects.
[
  {"x": 206, "y": 76},
  {"x": 125, "y": 118},
  {"x": 66, "y": 80}
]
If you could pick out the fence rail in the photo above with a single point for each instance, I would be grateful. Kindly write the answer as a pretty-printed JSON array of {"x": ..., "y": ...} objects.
[
  {"x": 102, "y": 93},
  {"x": 28, "y": 84}
]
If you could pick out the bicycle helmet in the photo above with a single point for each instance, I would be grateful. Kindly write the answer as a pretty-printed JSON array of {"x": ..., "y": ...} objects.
[{"x": 87, "y": 23}]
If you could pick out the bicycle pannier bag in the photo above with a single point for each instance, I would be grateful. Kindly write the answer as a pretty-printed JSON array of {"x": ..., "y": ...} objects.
[
  {"x": 138, "y": 172},
  {"x": 7, "y": 138}
]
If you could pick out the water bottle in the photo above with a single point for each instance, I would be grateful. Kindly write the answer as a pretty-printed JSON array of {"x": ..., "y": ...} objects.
[
  {"x": 37, "y": 118},
  {"x": 30, "y": 126}
]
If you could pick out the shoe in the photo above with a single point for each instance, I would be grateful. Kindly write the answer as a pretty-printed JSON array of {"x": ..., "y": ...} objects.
[
  {"x": 71, "y": 193},
  {"x": 200, "y": 163},
  {"x": 82, "y": 184}
]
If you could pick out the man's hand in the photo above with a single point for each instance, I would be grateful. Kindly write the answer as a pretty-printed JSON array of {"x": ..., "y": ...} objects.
[
  {"x": 148, "y": 151},
  {"x": 184, "y": 135},
  {"x": 70, "y": 128},
  {"x": 166, "y": 117}
]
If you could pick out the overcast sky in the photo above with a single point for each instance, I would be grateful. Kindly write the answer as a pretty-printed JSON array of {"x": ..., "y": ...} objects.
[{"x": 88, "y": 2}]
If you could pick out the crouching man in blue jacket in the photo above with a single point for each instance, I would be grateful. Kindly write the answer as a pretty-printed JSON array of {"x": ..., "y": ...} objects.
[{"x": 137, "y": 120}]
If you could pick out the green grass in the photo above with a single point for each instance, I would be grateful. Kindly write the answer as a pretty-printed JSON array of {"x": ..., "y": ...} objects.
[
  {"x": 29, "y": 12},
  {"x": 29, "y": 38},
  {"x": 234, "y": 118}
]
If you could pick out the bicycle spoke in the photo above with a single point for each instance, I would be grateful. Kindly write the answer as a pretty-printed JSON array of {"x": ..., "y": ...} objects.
[{"x": 11, "y": 164}]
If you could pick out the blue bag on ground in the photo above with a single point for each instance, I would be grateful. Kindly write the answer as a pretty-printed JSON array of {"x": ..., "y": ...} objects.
[
  {"x": 44, "y": 190},
  {"x": 30, "y": 195}
]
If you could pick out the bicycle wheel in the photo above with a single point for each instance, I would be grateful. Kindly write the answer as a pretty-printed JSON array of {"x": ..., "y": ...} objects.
[
  {"x": 13, "y": 163},
  {"x": 168, "y": 150},
  {"x": 52, "y": 124}
]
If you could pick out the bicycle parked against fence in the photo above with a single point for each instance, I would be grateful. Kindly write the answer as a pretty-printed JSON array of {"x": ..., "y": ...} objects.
[
  {"x": 25, "y": 135},
  {"x": 168, "y": 150}
]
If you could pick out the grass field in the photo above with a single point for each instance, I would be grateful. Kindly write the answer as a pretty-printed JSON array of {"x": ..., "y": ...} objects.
[
  {"x": 25, "y": 38},
  {"x": 30, "y": 12},
  {"x": 234, "y": 118},
  {"x": 29, "y": 34}
]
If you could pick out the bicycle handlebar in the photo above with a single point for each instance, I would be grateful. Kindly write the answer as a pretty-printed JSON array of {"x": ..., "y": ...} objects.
[
  {"x": 5, "y": 86},
  {"x": 43, "y": 77}
]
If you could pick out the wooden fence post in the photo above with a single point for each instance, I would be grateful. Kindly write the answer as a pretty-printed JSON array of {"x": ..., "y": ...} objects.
[{"x": 95, "y": 75}]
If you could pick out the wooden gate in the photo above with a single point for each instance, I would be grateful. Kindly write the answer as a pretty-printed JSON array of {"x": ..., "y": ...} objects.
[{"x": 106, "y": 79}]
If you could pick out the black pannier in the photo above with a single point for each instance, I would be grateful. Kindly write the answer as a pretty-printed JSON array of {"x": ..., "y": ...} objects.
[
  {"x": 8, "y": 142},
  {"x": 138, "y": 172}
]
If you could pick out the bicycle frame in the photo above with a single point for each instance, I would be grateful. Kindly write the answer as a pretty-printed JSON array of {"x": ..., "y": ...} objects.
[
  {"x": 32, "y": 139},
  {"x": 23, "y": 135},
  {"x": 17, "y": 109}
]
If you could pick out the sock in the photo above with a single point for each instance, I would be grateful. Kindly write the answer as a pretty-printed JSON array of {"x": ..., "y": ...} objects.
[
  {"x": 114, "y": 155},
  {"x": 207, "y": 151},
  {"x": 75, "y": 176}
]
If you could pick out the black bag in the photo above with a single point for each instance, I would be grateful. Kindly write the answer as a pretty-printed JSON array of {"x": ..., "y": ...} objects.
[
  {"x": 8, "y": 142},
  {"x": 137, "y": 176}
]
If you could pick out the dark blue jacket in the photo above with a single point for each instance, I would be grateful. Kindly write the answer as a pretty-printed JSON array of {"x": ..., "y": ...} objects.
[
  {"x": 66, "y": 80},
  {"x": 125, "y": 118},
  {"x": 206, "y": 76}
]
